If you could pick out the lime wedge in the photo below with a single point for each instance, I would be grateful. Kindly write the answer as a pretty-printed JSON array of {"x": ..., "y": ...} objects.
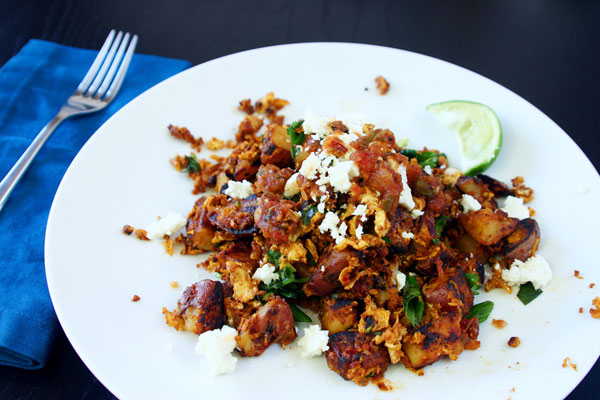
[{"x": 477, "y": 130}]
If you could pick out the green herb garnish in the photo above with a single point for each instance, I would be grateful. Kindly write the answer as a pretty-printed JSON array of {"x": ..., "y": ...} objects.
[
  {"x": 287, "y": 286},
  {"x": 481, "y": 311},
  {"x": 473, "y": 281},
  {"x": 387, "y": 240},
  {"x": 440, "y": 223},
  {"x": 527, "y": 293},
  {"x": 413, "y": 302},
  {"x": 308, "y": 213},
  {"x": 299, "y": 315},
  {"x": 297, "y": 138},
  {"x": 424, "y": 158},
  {"x": 310, "y": 259},
  {"x": 273, "y": 257},
  {"x": 294, "y": 198},
  {"x": 192, "y": 164},
  {"x": 436, "y": 241}
]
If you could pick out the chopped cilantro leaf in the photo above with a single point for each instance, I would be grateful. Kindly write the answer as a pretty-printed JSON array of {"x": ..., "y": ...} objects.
[
  {"x": 527, "y": 293},
  {"x": 481, "y": 311}
]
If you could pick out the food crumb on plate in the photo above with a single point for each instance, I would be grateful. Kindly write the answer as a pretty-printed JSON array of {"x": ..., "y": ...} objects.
[
  {"x": 135, "y": 298},
  {"x": 169, "y": 245},
  {"x": 174, "y": 284},
  {"x": 128, "y": 229},
  {"x": 568, "y": 363},
  {"x": 595, "y": 311},
  {"x": 382, "y": 85},
  {"x": 592, "y": 285},
  {"x": 514, "y": 341},
  {"x": 215, "y": 144},
  {"x": 580, "y": 310},
  {"x": 141, "y": 234},
  {"x": 577, "y": 275},
  {"x": 499, "y": 323}
]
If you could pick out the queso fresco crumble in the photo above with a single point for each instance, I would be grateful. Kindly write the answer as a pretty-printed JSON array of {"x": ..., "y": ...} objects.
[{"x": 387, "y": 245}]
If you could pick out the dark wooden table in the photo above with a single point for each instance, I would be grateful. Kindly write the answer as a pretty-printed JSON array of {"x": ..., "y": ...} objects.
[{"x": 547, "y": 51}]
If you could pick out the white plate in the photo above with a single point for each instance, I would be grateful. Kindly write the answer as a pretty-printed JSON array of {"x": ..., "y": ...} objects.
[{"x": 122, "y": 176}]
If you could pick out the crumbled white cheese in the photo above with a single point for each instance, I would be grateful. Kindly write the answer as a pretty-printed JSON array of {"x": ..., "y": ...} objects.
[
  {"x": 167, "y": 225},
  {"x": 315, "y": 124},
  {"x": 354, "y": 123},
  {"x": 348, "y": 138},
  {"x": 408, "y": 235},
  {"x": 361, "y": 210},
  {"x": 321, "y": 208},
  {"x": 469, "y": 203},
  {"x": 216, "y": 346},
  {"x": 314, "y": 341},
  {"x": 515, "y": 208},
  {"x": 239, "y": 190},
  {"x": 330, "y": 224},
  {"x": 416, "y": 213},
  {"x": 330, "y": 171},
  {"x": 343, "y": 206},
  {"x": 310, "y": 166},
  {"x": 322, "y": 268},
  {"x": 340, "y": 175},
  {"x": 266, "y": 273},
  {"x": 451, "y": 171},
  {"x": 427, "y": 169},
  {"x": 358, "y": 232},
  {"x": 291, "y": 186},
  {"x": 406, "y": 198},
  {"x": 535, "y": 270},
  {"x": 400, "y": 280}
]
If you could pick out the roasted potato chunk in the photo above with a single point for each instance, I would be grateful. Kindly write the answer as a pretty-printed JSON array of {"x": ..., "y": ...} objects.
[
  {"x": 272, "y": 322},
  {"x": 478, "y": 189},
  {"x": 442, "y": 336},
  {"x": 199, "y": 230},
  {"x": 276, "y": 146},
  {"x": 356, "y": 357},
  {"x": 324, "y": 279},
  {"x": 199, "y": 309},
  {"x": 450, "y": 292},
  {"x": 488, "y": 227},
  {"x": 338, "y": 315},
  {"x": 523, "y": 242}
]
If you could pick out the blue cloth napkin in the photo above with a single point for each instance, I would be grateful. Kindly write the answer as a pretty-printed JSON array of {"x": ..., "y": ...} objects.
[{"x": 33, "y": 86}]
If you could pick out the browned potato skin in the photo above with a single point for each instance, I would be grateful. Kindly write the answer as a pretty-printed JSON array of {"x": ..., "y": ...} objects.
[
  {"x": 272, "y": 322},
  {"x": 498, "y": 188},
  {"x": 442, "y": 336},
  {"x": 450, "y": 291},
  {"x": 523, "y": 242},
  {"x": 468, "y": 245},
  {"x": 199, "y": 309},
  {"x": 475, "y": 187},
  {"x": 272, "y": 179},
  {"x": 324, "y": 281},
  {"x": 276, "y": 146},
  {"x": 488, "y": 227},
  {"x": 338, "y": 315},
  {"x": 354, "y": 356},
  {"x": 199, "y": 230}
]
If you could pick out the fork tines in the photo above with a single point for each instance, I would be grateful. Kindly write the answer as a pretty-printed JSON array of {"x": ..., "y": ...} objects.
[{"x": 105, "y": 76}]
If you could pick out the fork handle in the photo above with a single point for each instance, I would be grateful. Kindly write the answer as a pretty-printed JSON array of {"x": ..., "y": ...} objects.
[{"x": 18, "y": 170}]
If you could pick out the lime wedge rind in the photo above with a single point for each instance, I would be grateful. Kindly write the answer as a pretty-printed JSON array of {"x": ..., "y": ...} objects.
[{"x": 476, "y": 128}]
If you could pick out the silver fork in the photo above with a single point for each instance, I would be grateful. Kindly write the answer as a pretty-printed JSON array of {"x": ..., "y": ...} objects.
[{"x": 97, "y": 89}]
